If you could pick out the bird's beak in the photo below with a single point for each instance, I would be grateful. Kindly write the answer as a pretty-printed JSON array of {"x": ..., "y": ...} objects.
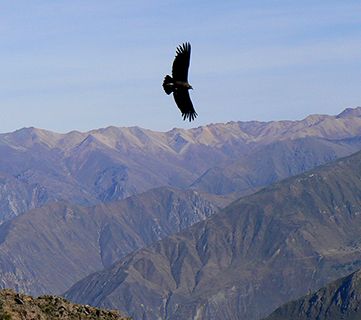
[{"x": 191, "y": 87}]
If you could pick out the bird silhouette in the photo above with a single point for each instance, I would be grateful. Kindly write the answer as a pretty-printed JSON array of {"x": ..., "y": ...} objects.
[{"x": 178, "y": 83}]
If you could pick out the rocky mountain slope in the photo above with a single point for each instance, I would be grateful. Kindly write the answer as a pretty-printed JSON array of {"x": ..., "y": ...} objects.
[
  {"x": 39, "y": 166},
  {"x": 242, "y": 263},
  {"x": 14, "y": 306},
  {"x": 340, "y": 299},
  {"x": 47, "y": 249}
]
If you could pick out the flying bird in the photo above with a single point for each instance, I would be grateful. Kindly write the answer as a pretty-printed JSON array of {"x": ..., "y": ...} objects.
[{"x": 178, "y": 83}]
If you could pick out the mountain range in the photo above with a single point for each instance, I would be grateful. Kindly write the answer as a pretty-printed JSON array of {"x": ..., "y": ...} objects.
[
  {"x": 243, "y": 262},
  {"x": 237, "y": 158}
]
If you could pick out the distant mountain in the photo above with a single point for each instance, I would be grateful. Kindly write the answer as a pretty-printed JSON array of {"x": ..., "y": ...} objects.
[
  {"x": 350, "y": 112},
  {"x": 339, "y": 300},
  {"x": 39, "y": 166},
  {"x": 17, "y": 306},
  {"x": 47, "y": 249},
  {"x": 273, "y": 162},
  {"x": 242, "y": 263}
]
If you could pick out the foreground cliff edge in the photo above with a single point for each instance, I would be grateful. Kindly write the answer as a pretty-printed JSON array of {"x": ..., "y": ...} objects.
[{"x": 17, "y": 306}]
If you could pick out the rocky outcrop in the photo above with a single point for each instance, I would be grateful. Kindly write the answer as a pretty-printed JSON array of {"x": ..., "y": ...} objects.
[{"x": 15, "y": 306}]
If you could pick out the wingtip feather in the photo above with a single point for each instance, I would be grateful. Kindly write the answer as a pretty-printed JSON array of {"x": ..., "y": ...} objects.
[{"x": 184, "y": 47}]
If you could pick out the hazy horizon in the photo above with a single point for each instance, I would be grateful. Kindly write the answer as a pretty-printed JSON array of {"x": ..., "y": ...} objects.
[{"x": 85, "y": 65}]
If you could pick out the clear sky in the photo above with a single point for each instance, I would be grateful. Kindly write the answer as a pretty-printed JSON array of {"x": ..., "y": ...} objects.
[{"x": 84, "y": 64}]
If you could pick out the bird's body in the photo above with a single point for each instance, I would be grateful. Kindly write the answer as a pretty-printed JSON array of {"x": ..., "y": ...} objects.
[{"x": 178, "y": 83}]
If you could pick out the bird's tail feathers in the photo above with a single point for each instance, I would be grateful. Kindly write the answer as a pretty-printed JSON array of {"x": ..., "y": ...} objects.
[
  {"x": 168, "y": 84},
  {"x": 190, "y": 115}
]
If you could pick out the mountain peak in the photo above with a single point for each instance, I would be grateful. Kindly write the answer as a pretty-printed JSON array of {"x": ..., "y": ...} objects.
[
  {"x": 28, "y": 136},
  {"x": 350, "y": 112}
]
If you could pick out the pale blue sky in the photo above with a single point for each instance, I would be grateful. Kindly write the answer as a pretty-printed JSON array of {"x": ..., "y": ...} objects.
[{"x": 87, "y": 64}]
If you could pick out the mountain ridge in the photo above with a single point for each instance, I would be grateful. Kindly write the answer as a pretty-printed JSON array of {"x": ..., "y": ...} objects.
[
  {"x": 49, "y": 248},
  {"x": 251, "y": 129}
]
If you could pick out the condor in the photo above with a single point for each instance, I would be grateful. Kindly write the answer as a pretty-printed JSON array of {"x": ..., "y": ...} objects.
[{"x": 178, "y": 83}]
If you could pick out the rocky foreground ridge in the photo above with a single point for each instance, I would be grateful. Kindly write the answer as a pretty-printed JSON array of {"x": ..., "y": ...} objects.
[{"x": 17, "y": 306}]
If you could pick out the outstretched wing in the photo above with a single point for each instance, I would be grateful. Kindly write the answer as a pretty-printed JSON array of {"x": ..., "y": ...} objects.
[
  {"x": 184, "y": 103},
  {"x": 181, "y": 62}
]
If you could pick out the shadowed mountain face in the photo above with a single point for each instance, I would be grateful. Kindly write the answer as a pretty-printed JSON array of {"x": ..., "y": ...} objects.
[
  {"x": 47, "y": 249},
  {"x": 340, "y": 299},
  {"x": 259, "y": 252},
  {"x": 38, "y": 166}
]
